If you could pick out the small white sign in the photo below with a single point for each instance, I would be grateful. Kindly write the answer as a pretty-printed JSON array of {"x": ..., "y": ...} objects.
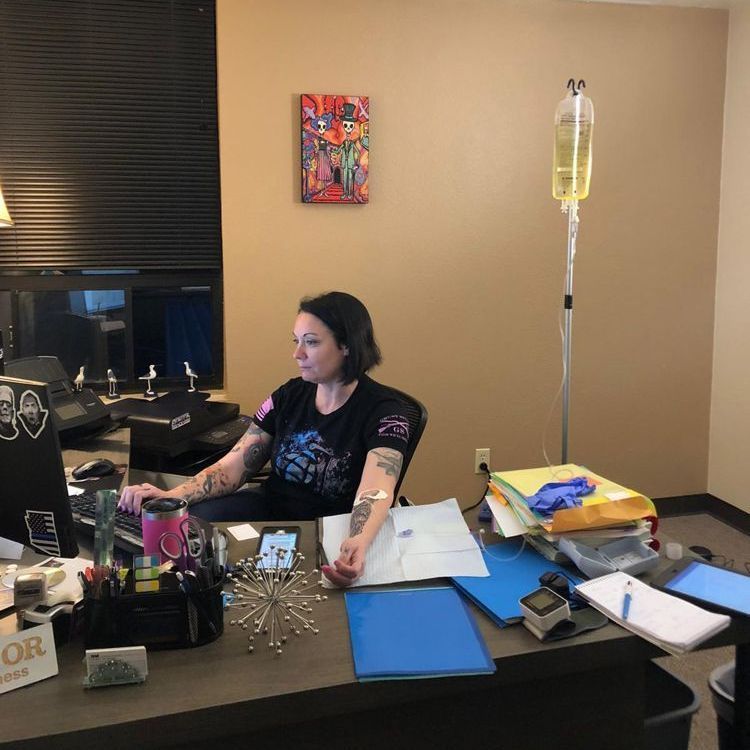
[{"x": 27, "y": 656}]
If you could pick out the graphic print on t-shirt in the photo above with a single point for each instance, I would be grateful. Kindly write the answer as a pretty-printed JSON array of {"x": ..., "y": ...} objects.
[
  {"x": 394, "y": 426},
  {"x": 305, "y": 458}
]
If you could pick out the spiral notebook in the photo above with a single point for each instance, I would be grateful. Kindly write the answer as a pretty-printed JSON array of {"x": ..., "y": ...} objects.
[
  {"x": 673, "y": 624},
  {"x": 413, "y": 633}
]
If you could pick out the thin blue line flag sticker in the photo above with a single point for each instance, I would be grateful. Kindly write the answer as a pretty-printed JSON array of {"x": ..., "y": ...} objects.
[{"x": 42, "y": 531}]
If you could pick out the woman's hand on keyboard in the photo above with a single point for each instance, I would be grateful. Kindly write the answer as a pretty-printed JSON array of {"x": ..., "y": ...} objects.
[{"x": 134, "y": 495}]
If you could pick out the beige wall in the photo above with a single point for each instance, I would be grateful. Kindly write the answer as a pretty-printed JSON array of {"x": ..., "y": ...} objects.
[
  {"x": 460, "y": 254},
  {"x": 730, "y": 404}
]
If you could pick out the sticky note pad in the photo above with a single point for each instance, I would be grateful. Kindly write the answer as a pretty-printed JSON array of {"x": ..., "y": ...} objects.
[
  {"x": 142, "y": 587},
  {"x": 146, "y": 561},
  {"x": 146, "y": 574}
]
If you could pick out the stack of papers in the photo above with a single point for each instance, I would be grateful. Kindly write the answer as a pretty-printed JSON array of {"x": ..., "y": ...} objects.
[
  {"x": 414, "y": 543},
  {"x": 673, "y": 624},
  {"x": 609, "y": 506}
]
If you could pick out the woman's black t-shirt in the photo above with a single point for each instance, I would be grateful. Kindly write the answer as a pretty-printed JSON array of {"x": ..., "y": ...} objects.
[{"x": 317, "y": 459}]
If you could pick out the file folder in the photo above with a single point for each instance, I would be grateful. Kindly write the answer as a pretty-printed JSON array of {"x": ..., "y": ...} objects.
[
  {"x": 413, "y": 633},
  {"x": 512, "y": 576}
]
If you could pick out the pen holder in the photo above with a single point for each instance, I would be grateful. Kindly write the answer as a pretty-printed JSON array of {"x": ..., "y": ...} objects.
[{"x": 164, "y": 619}]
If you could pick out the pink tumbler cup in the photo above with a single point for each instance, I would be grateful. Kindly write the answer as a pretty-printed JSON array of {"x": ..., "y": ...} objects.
[{"x": 159, "y": 517}]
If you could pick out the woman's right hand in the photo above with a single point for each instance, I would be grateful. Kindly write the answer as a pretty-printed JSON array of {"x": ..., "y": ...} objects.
[{"x": 134, "y": 495}]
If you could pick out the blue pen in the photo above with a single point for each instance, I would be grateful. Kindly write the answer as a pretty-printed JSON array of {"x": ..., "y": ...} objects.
[{"x": 627, "y": 599}]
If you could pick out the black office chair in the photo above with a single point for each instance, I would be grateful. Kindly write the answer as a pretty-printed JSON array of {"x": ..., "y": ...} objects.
[{"x": 416, "y": 413}]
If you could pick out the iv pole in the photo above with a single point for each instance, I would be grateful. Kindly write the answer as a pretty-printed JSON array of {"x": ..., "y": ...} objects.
[
  {"x": 570, "y": 206},
  {"x": 572, "y": 209}
]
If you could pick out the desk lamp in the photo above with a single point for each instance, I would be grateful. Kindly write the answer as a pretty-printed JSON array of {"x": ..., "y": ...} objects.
[{"x": 571, "y": 174}]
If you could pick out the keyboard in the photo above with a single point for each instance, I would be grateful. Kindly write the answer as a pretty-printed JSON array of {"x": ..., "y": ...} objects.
[{"x": 128, "y": 533}]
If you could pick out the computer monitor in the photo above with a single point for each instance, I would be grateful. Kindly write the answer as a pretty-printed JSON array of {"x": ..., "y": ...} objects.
[{"x": 34, "y": 505}]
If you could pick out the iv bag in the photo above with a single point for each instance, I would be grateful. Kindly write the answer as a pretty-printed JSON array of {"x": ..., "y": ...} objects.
[{"x": 574, "y": 124}]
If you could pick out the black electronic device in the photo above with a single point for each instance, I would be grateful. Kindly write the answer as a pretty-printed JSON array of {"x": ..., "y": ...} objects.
[
  {"x": 275, "y": 538},
  {"x": 169, "y": 425},
  {"x": 75, "y": 413},
  {"x": 711, "y": 586},
  {"x": 97, "y": 467},
  {"x": 34, "y": 506}
]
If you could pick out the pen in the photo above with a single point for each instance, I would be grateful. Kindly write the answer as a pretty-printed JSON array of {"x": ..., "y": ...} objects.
[{"x": 627, "y": 599}]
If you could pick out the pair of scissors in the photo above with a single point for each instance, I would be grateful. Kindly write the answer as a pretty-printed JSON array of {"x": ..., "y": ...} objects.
[{"x": 185, "y": 548}]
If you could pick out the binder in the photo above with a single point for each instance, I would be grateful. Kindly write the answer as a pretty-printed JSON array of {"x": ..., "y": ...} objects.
[
  {"x": 512, "y": 575},
  {"x": 413, "y": 633}
]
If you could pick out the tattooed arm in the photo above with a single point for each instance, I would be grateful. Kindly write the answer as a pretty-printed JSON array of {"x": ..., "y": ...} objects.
[
  {"x": 372, "y": 501},
  {"x": 222, "y": 478}
]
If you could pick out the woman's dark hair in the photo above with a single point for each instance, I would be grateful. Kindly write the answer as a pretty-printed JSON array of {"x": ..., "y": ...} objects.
[{"x": 351, "y": 326}]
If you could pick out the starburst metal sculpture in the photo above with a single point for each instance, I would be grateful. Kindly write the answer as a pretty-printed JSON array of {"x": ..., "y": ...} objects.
[{"x": 274, "y": 592}]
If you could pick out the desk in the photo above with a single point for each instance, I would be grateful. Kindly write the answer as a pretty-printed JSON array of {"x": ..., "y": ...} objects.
[{"x": 588, "y": 690}]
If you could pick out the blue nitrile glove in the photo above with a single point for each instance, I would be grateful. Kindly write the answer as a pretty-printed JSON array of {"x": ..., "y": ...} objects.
[{"x": 558, "y": 495}]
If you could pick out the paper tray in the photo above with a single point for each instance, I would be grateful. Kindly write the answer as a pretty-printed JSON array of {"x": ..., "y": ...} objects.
[{"x": 629, "y": 555}]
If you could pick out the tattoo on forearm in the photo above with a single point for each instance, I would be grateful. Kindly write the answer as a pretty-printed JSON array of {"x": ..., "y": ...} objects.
[
  {"x": 389, "y": 460},
  {"x": 360, "y": 514},
  {"x": 363, "y": 509},
  {"x": 213, "y": 482}
]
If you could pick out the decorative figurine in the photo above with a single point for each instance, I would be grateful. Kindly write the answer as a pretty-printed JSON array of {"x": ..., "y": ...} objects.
[
  {"x": 112, "y": 380},
  {"x": 274, "y": 593},
  {"x": 192, "y": 375},
  {"x": 148, "y": 377},
  {"x": 78, "y": 380}
]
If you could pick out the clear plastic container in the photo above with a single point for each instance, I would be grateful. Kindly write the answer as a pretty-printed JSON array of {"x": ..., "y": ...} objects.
[{"x": 630, "y": 555}]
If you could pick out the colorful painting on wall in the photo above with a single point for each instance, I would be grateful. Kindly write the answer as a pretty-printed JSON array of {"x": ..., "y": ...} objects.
[{"x": 335, "y": 148}]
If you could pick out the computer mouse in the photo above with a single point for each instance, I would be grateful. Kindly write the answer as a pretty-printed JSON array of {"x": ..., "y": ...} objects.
[{"x": 99, "y": 467}]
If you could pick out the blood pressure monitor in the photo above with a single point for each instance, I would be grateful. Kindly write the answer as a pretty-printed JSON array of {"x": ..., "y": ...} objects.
[{"x": 542, "y": 610}]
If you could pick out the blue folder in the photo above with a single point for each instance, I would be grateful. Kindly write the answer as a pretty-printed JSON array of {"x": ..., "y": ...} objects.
[
  {"x": 512, "y": 576},
  {"x": 411, "y": 633}
]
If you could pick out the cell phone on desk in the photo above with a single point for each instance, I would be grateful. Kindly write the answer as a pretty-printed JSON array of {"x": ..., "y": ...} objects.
[{"x": 276, "y": 538}]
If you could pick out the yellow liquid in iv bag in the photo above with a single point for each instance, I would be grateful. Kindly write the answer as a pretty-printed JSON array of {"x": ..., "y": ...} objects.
[{"x": 574, "y": 124}]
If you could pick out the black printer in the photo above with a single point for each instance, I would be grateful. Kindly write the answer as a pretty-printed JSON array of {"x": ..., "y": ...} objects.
[
  {"x": 179, "y": 432},
  {"x": 76, "y": 413}
]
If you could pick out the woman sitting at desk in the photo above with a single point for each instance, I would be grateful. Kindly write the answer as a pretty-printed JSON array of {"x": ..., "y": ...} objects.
[{"x": 334, "y": 436}]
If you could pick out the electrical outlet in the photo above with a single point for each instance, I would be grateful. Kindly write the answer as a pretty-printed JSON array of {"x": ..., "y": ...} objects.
[{"x": 481, "y": 456}]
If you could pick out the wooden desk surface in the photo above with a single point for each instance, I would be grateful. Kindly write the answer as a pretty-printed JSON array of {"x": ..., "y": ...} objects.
[{"x": 194, "y": 696}]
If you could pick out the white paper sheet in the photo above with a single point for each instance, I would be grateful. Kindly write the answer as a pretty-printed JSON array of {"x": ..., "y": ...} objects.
[
  {"x": 242, "y": 532},
  {"x": 383, "y": 564},
  {"x": 507, "y": 521},
  {"x": 414, "y": 543},
  {"x": 10, "y": 550},
  {"x": 444, "y": 565}
]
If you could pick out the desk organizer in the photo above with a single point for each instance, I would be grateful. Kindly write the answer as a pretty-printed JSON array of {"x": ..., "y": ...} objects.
[
  {"x": 630, "y": 555},
  {"x": 160, "y": 620}
]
